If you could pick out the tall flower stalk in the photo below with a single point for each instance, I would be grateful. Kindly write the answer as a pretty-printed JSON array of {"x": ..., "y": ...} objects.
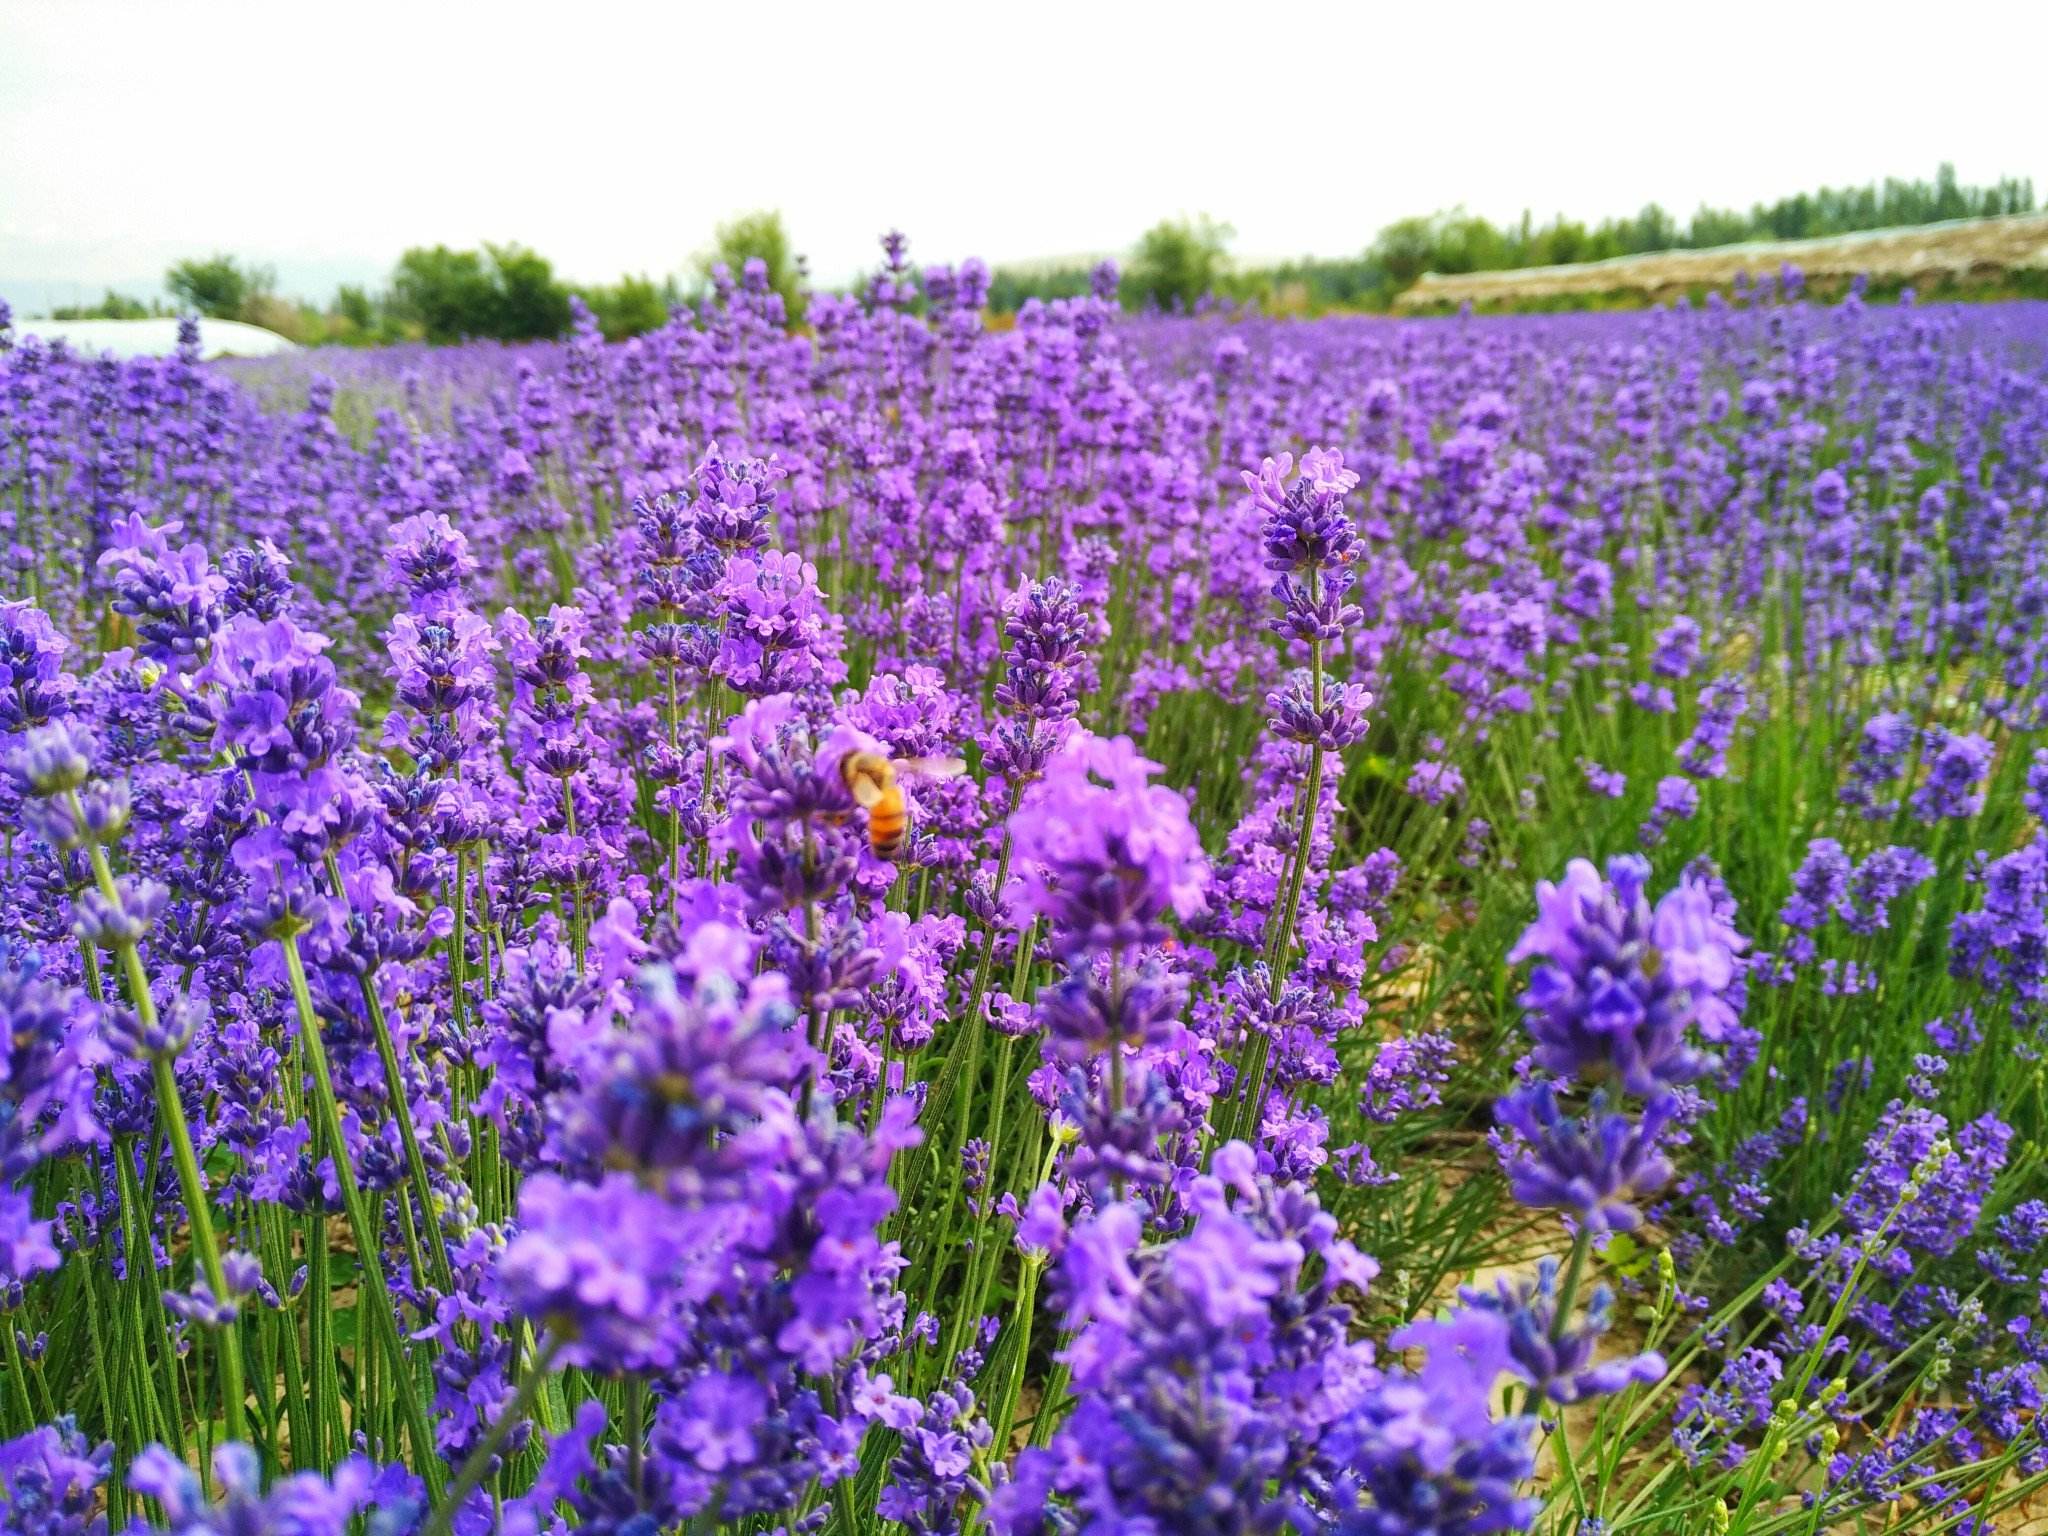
[{"x": 1308, "y": 540}]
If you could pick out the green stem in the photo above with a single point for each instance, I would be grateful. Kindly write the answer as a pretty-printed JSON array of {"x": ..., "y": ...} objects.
[
  {"x": 171, "y": 1109},
  {"x": 145, "y": 1299},
  {"x": 442, "y": 1273},
  {"x": 377, "y": 1300}
]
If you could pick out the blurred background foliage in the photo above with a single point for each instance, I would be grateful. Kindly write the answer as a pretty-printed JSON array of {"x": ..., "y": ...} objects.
[{"x": 511, "y": 293}]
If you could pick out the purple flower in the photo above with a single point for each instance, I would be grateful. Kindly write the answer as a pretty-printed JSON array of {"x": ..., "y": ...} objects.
[
  {"x": 595, "y": 1266},
  {"x": 1554, "y": 1355},
  {"x": 33, "y": 685},
  {"x": 1306, "y": 526},
  {"x": 1042, "y": 678},
  {"x": 1427, "y": 1452},
  {"x": 25, "y": 1246},
  {"x": 1603, "y": 781},
  {"x": 779, "y": 634},
  {"x": 701, "y": 1075},
  {"x": 1678, "y": 649},
  {"x": 1620, "y": 983},
  {"x": 1594, "y": 1167},
  {"x": 1102, "y": 853},
  {"x": 1334, "y": 724},
  {"x": 1215, "y": 1372},
  {"x": 1435, "y": 782},
  {"x": 1920, "y": 1189},
  {"x": 304, "y": 1504},
  {"x": 50, "y": 1481},
  {"x": 2036, "y": 797},
  {"x": 735, "y": 499},
  {"x": 2003, "y": 946},
  {"x": 1704, "y": 753},
  {"x": 1881, "y": 754},
  {"x": 46, "y": 1093},
  {"x": 1677, "y": 799},
  {"x": 1819, "y": 885},
  {"x": 1953, "y": 769}
]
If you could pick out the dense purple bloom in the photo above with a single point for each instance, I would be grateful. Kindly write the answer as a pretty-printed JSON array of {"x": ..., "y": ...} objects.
[
  {"x": 1595, "y": 1167},
  {"x": 50, "y": 1481},
  {"x": 1677, "y": 799},
  {"x": 1039, "y": 694},
  {"x": 305, "y": 1504},
  {"x": 704, "y": 1064},
  {"x": 1953, "y": 769},
  {"x": 1428, "y": 1455},
  {"x": 932, "y": 1474},
  {"x": 26, "y": 1248},
  {"x": 46, "y": 1105},
  {"x": 2036, "y": 796},
  {"x": 1819, "y": 886},
  {"x": 1678, "y": 649},
  {"x": 1884, "y": 875},
  {"x": 734, "y": 501},
  {"x": 1306, "y": 526},
  {"x": 1921, "y": 1188},
  {"x": 33, "y": 684},
  {"x": 1605, "y": 782},
  {"x": 594, "y": 1265},
  {"x": 1880, "y": 758},
  {"x": 1334, "y": 724},
  {"x": 1704, "y": 753},
  {"x": 1200, "y": 1362},
  {"x": 779, "y": 634},
  {"x": 2004, "y": 945},
  {"x": 1435, "y": 782},
  {"x": 1102, "y": 853},
  {"x": 1620, "y": 983}
]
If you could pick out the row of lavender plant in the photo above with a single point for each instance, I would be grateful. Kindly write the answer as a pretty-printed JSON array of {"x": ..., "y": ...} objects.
[{"x": 468, "y": 1067}]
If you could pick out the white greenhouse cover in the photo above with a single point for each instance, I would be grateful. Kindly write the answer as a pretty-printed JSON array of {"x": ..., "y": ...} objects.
[{"x": 156, "y": 338}]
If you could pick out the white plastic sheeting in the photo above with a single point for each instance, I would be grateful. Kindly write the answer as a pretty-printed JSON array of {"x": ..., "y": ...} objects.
[{"x": 156, "y": 338}]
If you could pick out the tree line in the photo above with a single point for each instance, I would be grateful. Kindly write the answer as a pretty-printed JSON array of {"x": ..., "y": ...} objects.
[
  {"x": 511, "y": 293},
  {"x": 439, "y": 294},
  {"x": 1181, "y": 263}
]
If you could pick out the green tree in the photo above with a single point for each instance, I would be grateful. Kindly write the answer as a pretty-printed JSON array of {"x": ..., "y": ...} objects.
[
  {"x": 1406, "y": 249},
  {"x": 449, "y": 293},
  {"x": 220, "y": 286},
  {"x": 1178, "y": 261},
  {"x": 530, "y": 304},
  {"x": 632, "y": 306},
  {"x": 354, "y": 305},
  {"x": 761, "y": 235}
]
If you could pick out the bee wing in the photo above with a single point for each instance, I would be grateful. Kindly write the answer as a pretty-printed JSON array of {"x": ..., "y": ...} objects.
[
  {"x": 931, "y": 767},
  {"x": 867, "y": 794}
]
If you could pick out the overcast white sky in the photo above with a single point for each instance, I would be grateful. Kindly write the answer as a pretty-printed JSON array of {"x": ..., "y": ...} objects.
[{"x": 324, "y": 139}]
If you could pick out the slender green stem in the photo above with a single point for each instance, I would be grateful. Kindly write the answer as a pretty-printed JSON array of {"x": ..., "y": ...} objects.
[
  {"x": 377, "y": 1298},
  {"x": 171, "y": 1111},
  {"x": 442, "y": 1273},
  {"x": 636, "y": 1432},
  {"x": 579, "y": 927}
]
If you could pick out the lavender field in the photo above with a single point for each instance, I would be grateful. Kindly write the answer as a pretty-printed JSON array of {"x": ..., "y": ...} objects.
[{"x": 1112, "y": 924}]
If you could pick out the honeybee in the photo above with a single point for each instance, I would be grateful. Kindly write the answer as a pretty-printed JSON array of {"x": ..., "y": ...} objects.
[{"x": 872, "y": 781}]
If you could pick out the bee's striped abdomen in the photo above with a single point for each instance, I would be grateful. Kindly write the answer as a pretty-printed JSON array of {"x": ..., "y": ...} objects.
[{"x": 888, "y": 824}]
